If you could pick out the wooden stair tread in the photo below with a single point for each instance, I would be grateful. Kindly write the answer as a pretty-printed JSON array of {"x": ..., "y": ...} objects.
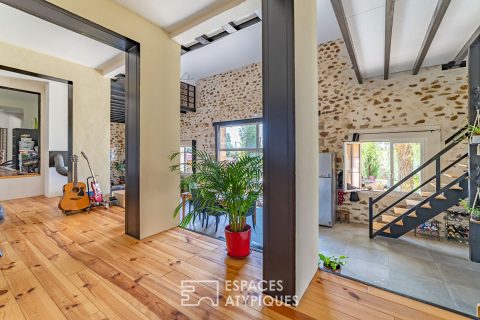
[
  {"x": 378, "y": 225},
  {"x": 454, "y": 187},
  {"x": 415, "y": 202},
  {"x": 387, "y": 218},
  {"x": 400, "y": 211},
  {"x": 450, "y": 175},
  {"x": 428, "y": 194},
  {"x": 463, "y": 165}
]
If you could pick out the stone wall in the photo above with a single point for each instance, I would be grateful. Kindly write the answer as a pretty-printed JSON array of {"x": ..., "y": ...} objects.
[
  {"x": 431, "y": 98},
  {"x": 117, "y": 152},
  {"x": 234, "y": 95}
]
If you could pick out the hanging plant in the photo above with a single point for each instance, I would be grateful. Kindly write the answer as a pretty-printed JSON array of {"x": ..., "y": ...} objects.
[
  {"x": 474, "y": 134},
  {"x": 472, "y": 210}
]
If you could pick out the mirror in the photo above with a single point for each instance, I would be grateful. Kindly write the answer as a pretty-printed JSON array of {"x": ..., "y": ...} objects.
[{"x": 19, "y": 132}]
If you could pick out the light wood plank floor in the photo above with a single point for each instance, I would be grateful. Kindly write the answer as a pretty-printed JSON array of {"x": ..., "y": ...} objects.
[{"x": 84, "y": 267}]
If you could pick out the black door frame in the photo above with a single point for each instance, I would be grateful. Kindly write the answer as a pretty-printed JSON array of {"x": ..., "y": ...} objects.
[{"x": 49, "y": 12}]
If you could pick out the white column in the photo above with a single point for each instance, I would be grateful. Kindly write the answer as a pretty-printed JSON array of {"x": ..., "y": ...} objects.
[{"x": 306, "y": 140}]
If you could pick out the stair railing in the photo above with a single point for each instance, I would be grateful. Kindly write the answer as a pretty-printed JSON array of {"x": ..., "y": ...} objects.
[{"x": 438, "y": 173}]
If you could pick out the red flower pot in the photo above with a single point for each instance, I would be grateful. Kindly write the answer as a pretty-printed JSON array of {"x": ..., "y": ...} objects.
[{"x": 238, "y": 243}]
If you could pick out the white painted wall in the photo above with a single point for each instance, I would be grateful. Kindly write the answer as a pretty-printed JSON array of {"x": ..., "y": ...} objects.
[
  {"x": 57, "y": 137},
  {"x": 306, "y": 140}
]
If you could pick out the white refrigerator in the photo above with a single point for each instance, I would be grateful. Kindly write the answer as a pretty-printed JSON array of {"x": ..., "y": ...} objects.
[{"x": 327, "y": 188}]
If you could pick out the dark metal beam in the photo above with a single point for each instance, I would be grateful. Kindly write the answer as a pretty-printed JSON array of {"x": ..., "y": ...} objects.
[
  {"x": 440, "y": 10},
  {"x": 342, "y": 22},
  {"x": 279, "y": 146},
  {"x": 204, "y": 40},
  {"x": 389, "y": 10},
  {"x": 462, "y": 54}
]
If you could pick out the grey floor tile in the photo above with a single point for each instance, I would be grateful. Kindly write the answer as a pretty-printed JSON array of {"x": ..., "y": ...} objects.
[
  {"x": 422, "y": 287},
  {"x": 375, "y": 256},
  {"x": 400, "y": 262},
  {"x": 466, "y": 298},
  {"x": 459, "y": 275},
  {"x": 367, "y": 272}
]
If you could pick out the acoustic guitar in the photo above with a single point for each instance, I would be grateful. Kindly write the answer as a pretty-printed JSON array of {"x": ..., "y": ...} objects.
[{"x": 75, "y": 197}]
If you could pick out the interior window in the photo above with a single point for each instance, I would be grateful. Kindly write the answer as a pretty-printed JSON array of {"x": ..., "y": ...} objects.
[
  {"x": 186, "y": 156},
  {"x": 378, "y": 165},
  {"x": 19, "y": 132},
  {"x": 238, "y": 140}
]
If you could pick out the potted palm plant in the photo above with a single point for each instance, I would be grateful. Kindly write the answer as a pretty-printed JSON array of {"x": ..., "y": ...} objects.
[{"x": 230, "y": 187}]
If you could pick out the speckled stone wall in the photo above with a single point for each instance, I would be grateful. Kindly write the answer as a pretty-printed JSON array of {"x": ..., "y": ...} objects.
[
  {"x": 117, "y": 150},
  {"x": 234, "y": 95},
  {"x": 433, "y": 97}
]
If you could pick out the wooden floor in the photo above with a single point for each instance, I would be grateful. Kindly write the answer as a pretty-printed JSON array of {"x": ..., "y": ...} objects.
[{"x": 84, "y": 267}]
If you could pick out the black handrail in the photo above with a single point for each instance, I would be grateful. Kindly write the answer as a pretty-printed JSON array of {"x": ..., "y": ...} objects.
[
  {"x": 438, "y": 172},
  {"x": 420, "y": 186},
  {"x": 420, "y": 168},
  {"x": 453, "y": 136},
  {"x": 410, "y": 210}
]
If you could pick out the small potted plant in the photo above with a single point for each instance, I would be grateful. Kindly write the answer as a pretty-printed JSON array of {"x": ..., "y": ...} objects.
[
  {"x": 332, "y": 263},
  {"x": 474, "y": 134},
  {"x": 474, "y": 211},
  {"x": 225, "y": 187}
]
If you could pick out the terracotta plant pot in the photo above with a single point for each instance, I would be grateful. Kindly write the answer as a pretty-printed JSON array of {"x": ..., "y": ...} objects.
[{"x": 238, "y": 243}]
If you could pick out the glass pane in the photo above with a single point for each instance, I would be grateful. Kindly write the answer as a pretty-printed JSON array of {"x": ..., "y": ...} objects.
[
  {"x": 260, "y": 134},
  {"x": 186, "y": 158},
  {"x": 376, "y": 166},
  {"x": 234, "y": 155},
  {"x": 406, "y": 158},
  {"x": 236, "y": 137},
  {"x": 352, "y": 166}
]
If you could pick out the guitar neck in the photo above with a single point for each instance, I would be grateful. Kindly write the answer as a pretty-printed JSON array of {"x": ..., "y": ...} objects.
[{"x": 75, "y": 175}]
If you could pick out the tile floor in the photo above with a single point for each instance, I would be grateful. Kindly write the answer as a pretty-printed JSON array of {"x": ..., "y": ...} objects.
[{"x": 435, "y": 271}]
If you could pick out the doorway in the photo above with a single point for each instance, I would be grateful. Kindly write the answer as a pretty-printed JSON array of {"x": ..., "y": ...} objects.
[{"x": 65, "y": 19}]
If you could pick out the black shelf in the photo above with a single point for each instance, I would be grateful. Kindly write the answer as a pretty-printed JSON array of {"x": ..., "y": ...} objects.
[{"x": 457, "y": 225}]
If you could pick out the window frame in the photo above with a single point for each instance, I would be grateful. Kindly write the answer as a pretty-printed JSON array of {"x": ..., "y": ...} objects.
[
  {"x": 422, "y": 141},
  {"x": 184, "y": 165},
  {"x": 235, "y": 123}
]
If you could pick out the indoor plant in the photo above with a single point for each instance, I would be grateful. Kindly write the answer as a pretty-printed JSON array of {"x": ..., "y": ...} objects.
[
  {"x": 474, "y": 133},
  {"x": 333, "y": 263},
  {"x": 230, "y": 187},
  {"x": 473, "y": 210}
]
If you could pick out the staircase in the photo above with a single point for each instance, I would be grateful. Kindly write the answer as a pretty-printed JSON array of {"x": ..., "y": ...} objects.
[{"x": 405, "y": 213}]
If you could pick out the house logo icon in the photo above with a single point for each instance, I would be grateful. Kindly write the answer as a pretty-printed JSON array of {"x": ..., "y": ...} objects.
[{"x": 189, "y": 289}]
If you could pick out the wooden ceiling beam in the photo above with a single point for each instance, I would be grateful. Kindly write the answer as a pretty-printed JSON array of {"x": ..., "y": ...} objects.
[
  {"x": 440, "y": 10},
  {"x": 389, "y": 11},
  {"x": 462, "y": 54},
  {"x": 343, "y": 24}
]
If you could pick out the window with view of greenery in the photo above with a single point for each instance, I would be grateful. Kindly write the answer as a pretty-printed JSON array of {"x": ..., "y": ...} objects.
[
  {"x": 382, "y": 164},
  {"x": 236, "y": 140}
]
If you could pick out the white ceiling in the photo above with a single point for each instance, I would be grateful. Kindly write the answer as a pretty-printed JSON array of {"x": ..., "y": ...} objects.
[
  {"x": 24, "y": 30},
  {"x": 245, "y": 47},
  {"x": 366, "y": 21},
  {"x": 168, "y": 13},
  {"x": 231, "y": 52}
]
